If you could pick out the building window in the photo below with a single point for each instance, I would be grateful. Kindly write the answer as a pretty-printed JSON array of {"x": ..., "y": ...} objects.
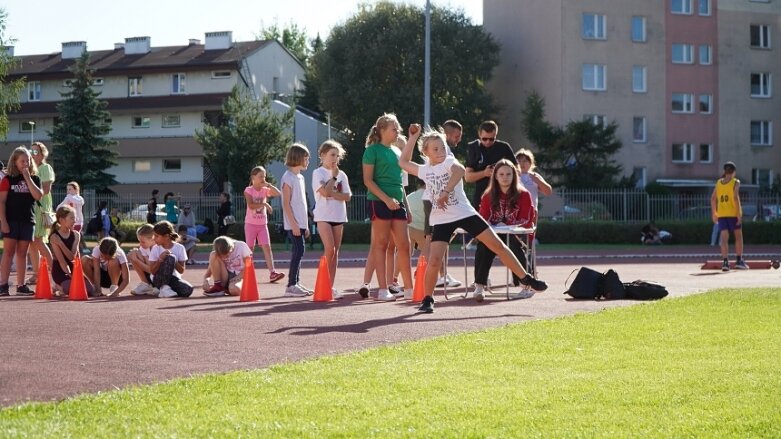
[
  {"x": 596, "y": 119},
  {"x": 142, "y": 165},
  {"x": 638, "y": 29},
  {"x": 594, "y": 77},
  {"x": 760, "y": 36},
  {"x": 639, "y": 134},
  {"x": 638, "y": 175},
  {"x": 703, "y": 7},
  {"x": 683, "y": 152},
  {"x": 140, "y": 122},
  {"x": 639, "y": 77},
  {"x": 763, "y": 178},
  {"x": 172, "y": 121},
  {"x": 760, "y": 85},
  {"x": 172, "y": 165},
  {"x": 706, "y": 104},
  {"x": 706, "y": 153},
  {"x": 761, "y": 132},
  {"x": 706, "y": 55},
  {"x": 98, "y": 81},
  {"x": 594, "y": 27},
  {"x": 683, "y": 53},
  {"x": 683, "y": 103},
  {"x": 681, "y": 7},
  {"x": 221, "y": 74},
  {"x": 177, "y": 83},
  {"x": 34, "y": 91},
  {"x": 134, "y": 86},
  {"x": 25, "y": 126}
]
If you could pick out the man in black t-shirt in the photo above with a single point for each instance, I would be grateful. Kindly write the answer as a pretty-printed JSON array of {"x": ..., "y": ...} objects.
[{"x": 481, "y": 155}]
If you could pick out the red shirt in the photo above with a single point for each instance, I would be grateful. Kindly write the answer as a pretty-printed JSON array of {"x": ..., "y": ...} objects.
[{"x": 522, "y": 213}]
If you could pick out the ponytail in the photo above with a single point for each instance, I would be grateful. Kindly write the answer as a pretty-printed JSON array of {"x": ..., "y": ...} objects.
[{"x": 374, "y": 136}]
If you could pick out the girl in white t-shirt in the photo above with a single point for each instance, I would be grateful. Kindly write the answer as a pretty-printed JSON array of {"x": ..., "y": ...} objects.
[
  {"x": 296, "y": 219},
  {"x": 75, "y": 202},
  {"x": 106, "y": 267},
  {"x": 167, "y": 261},
  {"x": 332, "y": 192},
  {"x": 451, "y": 210},
  {"x": 256, "y": 219},
  {"x": 227, "y": 263}
]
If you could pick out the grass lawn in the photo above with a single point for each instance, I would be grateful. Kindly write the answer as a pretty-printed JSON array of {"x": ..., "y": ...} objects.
[{"x": 701, "y": 366}]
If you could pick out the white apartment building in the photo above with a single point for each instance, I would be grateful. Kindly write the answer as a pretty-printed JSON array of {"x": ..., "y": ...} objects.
[{"x": 157, "y": 98}]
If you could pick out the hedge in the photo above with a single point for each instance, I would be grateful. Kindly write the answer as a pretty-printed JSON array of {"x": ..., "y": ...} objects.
[{"x": 555, "y": 232}]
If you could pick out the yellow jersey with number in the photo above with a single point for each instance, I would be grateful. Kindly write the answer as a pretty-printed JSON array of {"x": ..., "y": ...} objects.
[{"x": 726, "y": 207}]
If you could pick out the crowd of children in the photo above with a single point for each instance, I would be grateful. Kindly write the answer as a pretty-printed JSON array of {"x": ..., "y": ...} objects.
[{"x": 164, "y": 252}]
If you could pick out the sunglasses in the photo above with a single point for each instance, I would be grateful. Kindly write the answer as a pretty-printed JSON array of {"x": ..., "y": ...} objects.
[
  {"x": 488, "y": 139},
  {"x": 35, "y": 152}
]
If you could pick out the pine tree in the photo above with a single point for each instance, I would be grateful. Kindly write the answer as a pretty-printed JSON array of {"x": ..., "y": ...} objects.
[
  {"x": 81, "y": 151},
  {"x": 9, "y": 90}
]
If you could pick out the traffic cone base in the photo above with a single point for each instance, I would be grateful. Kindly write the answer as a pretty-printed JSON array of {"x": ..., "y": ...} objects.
[
  {"x": 419, "y": 289},
  {"x": 323, "y": 291},
  {"x": 43, "y": 288},
  {"x": 249, "y": 284},
  {"x": 78, "y": 288}
]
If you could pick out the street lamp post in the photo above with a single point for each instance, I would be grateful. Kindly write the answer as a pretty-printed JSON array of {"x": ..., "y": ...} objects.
[{"x": 32, "y": 132}]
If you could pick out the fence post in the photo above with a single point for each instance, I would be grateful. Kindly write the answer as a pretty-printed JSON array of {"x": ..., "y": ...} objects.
[
  {"x": 626, "y": 207},
  {"x": 647, "y": 207}
]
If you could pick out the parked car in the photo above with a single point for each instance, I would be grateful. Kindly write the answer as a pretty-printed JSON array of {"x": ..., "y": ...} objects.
[{"x": 139, "y": 213}]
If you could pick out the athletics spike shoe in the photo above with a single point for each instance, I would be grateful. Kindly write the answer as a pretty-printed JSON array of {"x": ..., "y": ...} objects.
[
  {"x": 427, "y": 306},
  {"x": 535, "y": 284}
]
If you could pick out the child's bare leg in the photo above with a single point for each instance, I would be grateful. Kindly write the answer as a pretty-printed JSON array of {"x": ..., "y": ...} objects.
[
  {"x": 434, "y": 263},
  {"x": 269, "y": 255},
  {"x": 401, "y": 238},
  {"x": 380, "y": 238},
  {"x": 724, "y": 244},
  {"x": 217, "y": 268},
  {"x": 739, "y": 242},
  {"x": 114, "y": 272}
]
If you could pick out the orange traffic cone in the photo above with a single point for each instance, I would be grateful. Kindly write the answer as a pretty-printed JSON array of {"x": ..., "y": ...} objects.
[
  {"x": 323, "y": 292},
  {"x": 43, "y": 289},
  {"x": 249, "y": 285},
  {"x": 78, "y": 289},
  {"x": 419, "y": 289}
]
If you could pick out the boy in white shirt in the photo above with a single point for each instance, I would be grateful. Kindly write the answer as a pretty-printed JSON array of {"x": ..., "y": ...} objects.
[{"x": 139, "y": 257}]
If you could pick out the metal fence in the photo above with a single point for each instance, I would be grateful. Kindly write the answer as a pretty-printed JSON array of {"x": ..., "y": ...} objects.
[{"x": 621, "y": 205}]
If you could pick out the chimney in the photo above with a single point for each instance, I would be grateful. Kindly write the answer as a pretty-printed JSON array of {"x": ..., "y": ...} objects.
[
  {"x": 138, "y": 45},
  {"x": 193, "y": 42},
  {"x": 219, "y": 40},
  {"x": 119, "y": 46},
  {"x": 73, "y": 49},
  {"x": 9, "y": 50}
]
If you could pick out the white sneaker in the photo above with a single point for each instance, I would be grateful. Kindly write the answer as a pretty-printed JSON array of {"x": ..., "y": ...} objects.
[
  {"x": 397, "y": 291},
  {"x": 523, "y": 294},
  {"x": 166, "y": 291},
  {"x": 479, "y": 293},
  {"x": 112, "y": 290},
  {"x": 385, "y": 295},
  {"x": 452, "y": 282},
  {"x": 308, "y": 291},
  {"x": 441, "y": 282},
  {"x": 337, "y": 294},
  {"x": 141, "y": 289},
  {"x": 295, "y": 291},
  {"x": 153, "y": 292},
  {"x": 364, "y": 291}
]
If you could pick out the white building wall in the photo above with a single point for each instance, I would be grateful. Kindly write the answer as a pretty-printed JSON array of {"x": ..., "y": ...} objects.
[
  {"x": 122, "y": 127},
  {"x": 191, "y": 172},
  {"x": 273, "y": 61}
]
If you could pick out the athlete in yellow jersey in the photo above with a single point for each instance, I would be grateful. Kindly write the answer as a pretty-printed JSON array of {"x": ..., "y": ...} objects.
[{"x": 727, "y": 213}]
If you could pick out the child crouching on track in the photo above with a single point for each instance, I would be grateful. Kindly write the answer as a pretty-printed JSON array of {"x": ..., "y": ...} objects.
[
  {"x": 166, "y": 261},
  {"x": 106, "y": 267},
  {"x": 139, "y": 257},
  {"x": 451, "y": 210},
  {"x": 226, "y": 267},
  {"x": 64, "y": 241}
]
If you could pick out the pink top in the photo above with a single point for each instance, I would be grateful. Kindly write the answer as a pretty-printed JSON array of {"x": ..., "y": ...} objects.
[{"x": 256, "y": 216}]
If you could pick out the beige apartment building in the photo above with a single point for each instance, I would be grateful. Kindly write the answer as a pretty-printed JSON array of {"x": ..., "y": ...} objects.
[
  {"x": 157, "y": 98},
  {"x": 689, "y": 82}
]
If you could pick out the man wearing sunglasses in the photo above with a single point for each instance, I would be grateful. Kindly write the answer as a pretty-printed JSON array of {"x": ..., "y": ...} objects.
[{"x": 481, "y": 155}]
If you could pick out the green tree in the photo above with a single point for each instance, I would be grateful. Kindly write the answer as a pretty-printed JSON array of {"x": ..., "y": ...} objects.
[
  {"x": 374, "y": 63},
  {"x": 308, "y": 97},
  {"x": 252, "y": 134},
  {"x": 579, "y": 155},
  {"x": 9, "y": 89},
  {"x": 82, "y": 152},
  {"x": 291, "y": 36}
]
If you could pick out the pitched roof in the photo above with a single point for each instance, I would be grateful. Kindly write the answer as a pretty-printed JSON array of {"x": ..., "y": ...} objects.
[{"x": 116, "y": 62}]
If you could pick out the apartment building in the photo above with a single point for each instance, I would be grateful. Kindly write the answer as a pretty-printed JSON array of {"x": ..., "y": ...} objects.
[
  {"x": 689, "y": 82},
  {"x": 157, "y": 98}
]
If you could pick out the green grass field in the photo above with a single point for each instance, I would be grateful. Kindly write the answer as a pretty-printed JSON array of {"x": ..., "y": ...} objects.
[{"x": 701, "y": 366}]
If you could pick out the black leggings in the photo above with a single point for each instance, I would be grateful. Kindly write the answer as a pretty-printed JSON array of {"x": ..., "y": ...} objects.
[
  {"x": 165, "y": 276},
  {"x": 484, "y": 258}
]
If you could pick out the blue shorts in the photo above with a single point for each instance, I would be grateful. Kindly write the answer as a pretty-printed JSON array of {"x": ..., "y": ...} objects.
[
  {"x": 20, "y": 230},
  {"x": 729, "y": 223},
  {"x": 380, "y": 210}
]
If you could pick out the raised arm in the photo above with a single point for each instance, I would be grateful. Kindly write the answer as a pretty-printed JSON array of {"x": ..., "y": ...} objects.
[
  {"x": 405, "y": 161},
  {"x": 544, "y": 187}
]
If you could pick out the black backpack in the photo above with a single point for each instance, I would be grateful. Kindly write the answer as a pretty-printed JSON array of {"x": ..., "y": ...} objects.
[
  {"x": 612, "y": 287},
  {"x": 645, "y": 290},
  {"x": 587, "y": 284},
  {"x": 95, "y": 224}
]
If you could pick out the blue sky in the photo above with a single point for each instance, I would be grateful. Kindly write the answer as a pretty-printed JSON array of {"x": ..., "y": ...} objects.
[{"x": 41, "y": 27}]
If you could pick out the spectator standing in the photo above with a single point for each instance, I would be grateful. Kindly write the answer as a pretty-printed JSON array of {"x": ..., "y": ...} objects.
[
  {"x": 151, "y": 208},
  {"x": 727, "y": 212},
  {"x": 482, "y": 154},
  {"x": 39, "y": 247},
  {"x": 74, "y": 200},
  {"x": 224, "y": 210}
]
